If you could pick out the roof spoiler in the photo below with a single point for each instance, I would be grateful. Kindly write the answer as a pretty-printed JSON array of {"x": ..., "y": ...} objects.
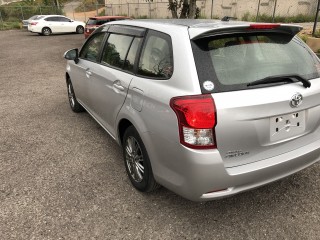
[{"x": 198, "y": 31}]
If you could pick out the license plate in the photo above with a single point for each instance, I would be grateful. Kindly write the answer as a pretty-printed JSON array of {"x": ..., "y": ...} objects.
[{"x": 287, "y": 126}]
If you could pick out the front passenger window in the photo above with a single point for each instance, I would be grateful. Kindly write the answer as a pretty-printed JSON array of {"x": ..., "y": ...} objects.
[
  {"x": 116, "y": 50},
  {"x": 91, "y": 50}
]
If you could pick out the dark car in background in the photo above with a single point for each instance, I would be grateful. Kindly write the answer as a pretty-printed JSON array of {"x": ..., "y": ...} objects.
[{"x": 95, "y": 22}]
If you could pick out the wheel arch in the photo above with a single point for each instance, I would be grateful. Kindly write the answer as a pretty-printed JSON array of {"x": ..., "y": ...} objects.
[
  {"x": 67, "y": 77},
  {"x": 122, "y": 127},
  {"x": 79, "y": 26},
  {"x": 46, "y": 27}
]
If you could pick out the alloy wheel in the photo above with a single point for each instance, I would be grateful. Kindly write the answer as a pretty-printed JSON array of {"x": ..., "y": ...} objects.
[
  {"x": 71, "y": 95},
  {"x": 134, "y": 159}
]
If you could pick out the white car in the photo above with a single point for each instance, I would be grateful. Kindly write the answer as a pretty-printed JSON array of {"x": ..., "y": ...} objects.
[
  {"x": 25, "y": 23},
  {"x": 55, "y": 24}
]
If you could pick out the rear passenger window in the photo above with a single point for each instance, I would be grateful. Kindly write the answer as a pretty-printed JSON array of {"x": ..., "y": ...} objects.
[
  {"x": 116, "y": 50},
  {"x": 129, "y": 63},
  {"x": 91, "y": 50},
  {"x": 156, "y": 60},
  {"x": 50, "y": 19}
]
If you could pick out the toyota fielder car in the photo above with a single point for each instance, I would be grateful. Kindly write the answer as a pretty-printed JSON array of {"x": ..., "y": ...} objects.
[{"x": 204, "y": 108}]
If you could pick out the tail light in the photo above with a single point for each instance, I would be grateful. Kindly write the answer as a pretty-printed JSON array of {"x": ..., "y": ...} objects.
[
  {"x": 197, "y": 119},
  {"x": 34, "y": 23}
]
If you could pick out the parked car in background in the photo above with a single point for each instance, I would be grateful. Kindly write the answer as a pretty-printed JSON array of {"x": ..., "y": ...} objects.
[
  {"x": 25, "y": 23},
  {"x": 94, "y": 22},
  {"x": 204, "y": 108},
  {"x": 50, "y": 24}
]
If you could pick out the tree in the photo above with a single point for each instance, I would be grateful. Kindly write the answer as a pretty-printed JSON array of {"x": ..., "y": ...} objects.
[{"x": 182, "y": 8}]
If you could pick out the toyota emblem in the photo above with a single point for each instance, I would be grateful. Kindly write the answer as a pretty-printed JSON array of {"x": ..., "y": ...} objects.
[{"x": 296, "y": 100}]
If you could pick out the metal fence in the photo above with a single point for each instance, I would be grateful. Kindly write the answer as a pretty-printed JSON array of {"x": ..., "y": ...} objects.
[{"x": 249, "y": 10}]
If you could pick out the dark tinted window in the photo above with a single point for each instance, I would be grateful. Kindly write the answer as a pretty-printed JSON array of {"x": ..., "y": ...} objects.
[
  {"x": 91, "y": 50},
  {"x": 92, "y": 21},
  {"x": 51, "y": 19},
  {"x": 100, "y": 22},
  {"x": 116, "y": 50},
  {"x": 63, "y": 19},
  {"x": 97, "y": 21},
  {"x": 156, "y": 60}
]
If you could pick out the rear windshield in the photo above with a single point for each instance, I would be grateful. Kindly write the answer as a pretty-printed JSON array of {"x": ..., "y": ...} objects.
[
  {"x": 96, "y": 22},
  {"x": 38, "y": 17},
  {"x": 102, "y": 21},
  {"x": 231, "y": 62}
]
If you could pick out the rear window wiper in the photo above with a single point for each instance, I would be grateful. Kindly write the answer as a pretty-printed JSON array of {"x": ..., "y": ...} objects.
[{"x": 281, "y": 78}]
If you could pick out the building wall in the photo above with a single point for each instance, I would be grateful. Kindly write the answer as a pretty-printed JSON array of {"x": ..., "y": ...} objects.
[{"x": 220, "y": 8}]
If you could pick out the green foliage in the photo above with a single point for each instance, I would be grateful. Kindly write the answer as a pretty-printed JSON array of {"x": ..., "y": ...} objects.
[
  {"x": 300, "y": 18},
  {"x": 9, "y": 25},
  {"x": 142, "y": 17},
  {"x": 12, "y": 14},
  {"x": 317, "y": 33},
  {"x": 248, "y": 18},
  {"x": 102, "y": 13},
  {"x": 303, "y": 37},
  {"x": 23, "y": 10}
]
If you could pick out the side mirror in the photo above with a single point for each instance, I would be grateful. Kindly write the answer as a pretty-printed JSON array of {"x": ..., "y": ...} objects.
[{"x": 72, "y": 54}]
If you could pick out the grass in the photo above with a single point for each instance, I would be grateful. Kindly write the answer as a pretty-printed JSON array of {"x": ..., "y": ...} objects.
[
  {"x": 300, "y": 18},
  {"x": 303, "y": 37},
  {"x": 10, "y": 25}
]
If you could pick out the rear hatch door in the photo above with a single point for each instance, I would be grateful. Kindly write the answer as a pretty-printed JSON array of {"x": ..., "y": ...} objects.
[{"x": 266, "y": 87}]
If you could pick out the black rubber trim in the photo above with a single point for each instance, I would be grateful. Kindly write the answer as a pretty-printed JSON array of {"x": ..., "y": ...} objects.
[{"x": 127, "y": 30}]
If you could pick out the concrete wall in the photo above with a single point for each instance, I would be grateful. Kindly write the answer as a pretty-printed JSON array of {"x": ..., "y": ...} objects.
[
  {"x": 2, "y": 2},
  {"x": 220, "y": 8}
]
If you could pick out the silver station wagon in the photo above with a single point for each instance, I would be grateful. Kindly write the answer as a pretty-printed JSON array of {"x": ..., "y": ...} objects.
[{"x": 204, "y": 108}]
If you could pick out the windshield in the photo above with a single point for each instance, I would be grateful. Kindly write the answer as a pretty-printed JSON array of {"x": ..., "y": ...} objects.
[
  {"x": 96, "y": 21},
  {"x": 240, "y": 59},
  {"x": 92, "y": 21}
]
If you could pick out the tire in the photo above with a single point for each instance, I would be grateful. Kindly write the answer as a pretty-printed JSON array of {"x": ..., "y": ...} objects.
[
  {"x": 46, "y": 31},
  {"x": 74, "y": 104},
  {"x": 80, "y": 29},
  {"x": 137, "y": 162}
]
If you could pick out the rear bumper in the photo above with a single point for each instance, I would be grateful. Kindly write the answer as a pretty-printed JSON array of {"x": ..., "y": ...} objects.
[
  {"x": 34, "y": 29},
  {"x": 86, "y": 34},
  {"x": 256, "y": 174},
  {"x": 200, "y": 175}
]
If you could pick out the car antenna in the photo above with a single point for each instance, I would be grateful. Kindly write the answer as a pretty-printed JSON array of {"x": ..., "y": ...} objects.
[{"x": 227, "y": 18}]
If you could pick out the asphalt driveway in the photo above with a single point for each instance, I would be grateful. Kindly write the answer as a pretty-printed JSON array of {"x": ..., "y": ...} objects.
[{"x": 63, "y": 177}]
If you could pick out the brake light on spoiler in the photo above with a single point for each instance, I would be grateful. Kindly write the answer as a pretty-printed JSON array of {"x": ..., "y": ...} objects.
[{"x": 262, "y": 26}]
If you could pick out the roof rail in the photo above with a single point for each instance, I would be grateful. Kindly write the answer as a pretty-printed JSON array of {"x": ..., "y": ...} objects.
[{"x": 227, "y": 18}]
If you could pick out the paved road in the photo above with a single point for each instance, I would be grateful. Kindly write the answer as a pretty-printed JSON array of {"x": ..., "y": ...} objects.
[{"x": 63, "y": 177}]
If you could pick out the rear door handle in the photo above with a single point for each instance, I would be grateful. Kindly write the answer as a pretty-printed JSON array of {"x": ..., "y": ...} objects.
[
  {"x": 117, "y": 85},
  {"x": 88, "y": 73}
]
